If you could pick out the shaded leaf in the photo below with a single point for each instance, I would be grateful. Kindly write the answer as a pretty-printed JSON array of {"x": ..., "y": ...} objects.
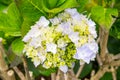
[
  {"x": 118, "y": 73},
  {"x": 113, "y": 45},
  {"x": 6, "y": 2},
  {"x": 86, "y": 70},
  {"x": 107, "y": 76},
  {"x": 46, "y": 72},
  {"x": 115, "y": 30},
  {"x": 32, "y": 68}
]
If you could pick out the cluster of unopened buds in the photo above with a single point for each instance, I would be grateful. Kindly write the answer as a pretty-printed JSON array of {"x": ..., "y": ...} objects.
[{"x": 60, "y": 41}]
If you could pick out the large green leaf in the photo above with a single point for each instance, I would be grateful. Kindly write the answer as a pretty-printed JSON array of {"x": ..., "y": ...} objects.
[
  {"x": 17, "y": 47},
  {"x": 10, "y": 20},
  {"x": 30, "y": 12},
  {"x": 103, "y": 16}
]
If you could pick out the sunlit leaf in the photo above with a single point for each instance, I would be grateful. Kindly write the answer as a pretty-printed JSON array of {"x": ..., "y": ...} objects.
[
  {"x": 103, "y": 16},
  {"x": 10, "y": 20},
  {"x": 17, "y": 47},
  {"x": 30, "y": 14}
]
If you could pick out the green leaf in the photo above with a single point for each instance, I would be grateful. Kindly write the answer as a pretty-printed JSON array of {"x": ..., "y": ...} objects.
[
  {"x": 34, "y": 3},
  {"x": 1, "y": 34},
  {"x": 82, "y": 4},
  {"x": 60, "y": 2},
  {"x": 103, "y": 16},
  {"x": 6, "y": 2},
  {"x": 10, "y": 20},
  {"x": 52, "y": 3},
  {"x": 25, "y": 27},
  {"x": 46, "y": 72},
  {"x": 67, "y": 4},
  {"x": 30, "y": 12},
  {"x": 13, "y": 59},
  {"x": 107, "y": 76},
  {"x": 115, "y": 30},
  {"x": 32, "y": 68},
  {"x": 86, "y": 70},
  {"x": 2, "y": 7},
  {"x": 114, "y": 45},
  {"x": 17, "y": 47},
  {"x": 118, "y": 73}
]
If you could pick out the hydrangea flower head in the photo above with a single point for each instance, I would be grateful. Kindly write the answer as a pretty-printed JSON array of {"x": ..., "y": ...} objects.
[{"x": 70, "y": 37}]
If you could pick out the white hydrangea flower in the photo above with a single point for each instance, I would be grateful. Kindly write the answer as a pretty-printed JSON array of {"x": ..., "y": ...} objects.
[
  {"x": 64, "y": 68},
  {"x": 70, "y": 35},
  {"x": 51, "y": 47}
]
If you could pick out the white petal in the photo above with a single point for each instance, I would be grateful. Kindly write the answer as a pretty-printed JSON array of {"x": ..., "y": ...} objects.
[
  {"x": 74, "y": 37},
  {"x": 64, "y": 68},
  {"x": 36, "y": 61},
  {"x": 55, "y": 21},
  {"x": 66, "y": 28},
  {"x": 43, "y": 22},
  {"x": 71, "y": 11},
  {"x": 51, "y": 47}
]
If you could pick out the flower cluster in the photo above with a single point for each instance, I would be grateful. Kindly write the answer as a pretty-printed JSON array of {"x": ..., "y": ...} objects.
[{"x": 59, "y": 41}]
